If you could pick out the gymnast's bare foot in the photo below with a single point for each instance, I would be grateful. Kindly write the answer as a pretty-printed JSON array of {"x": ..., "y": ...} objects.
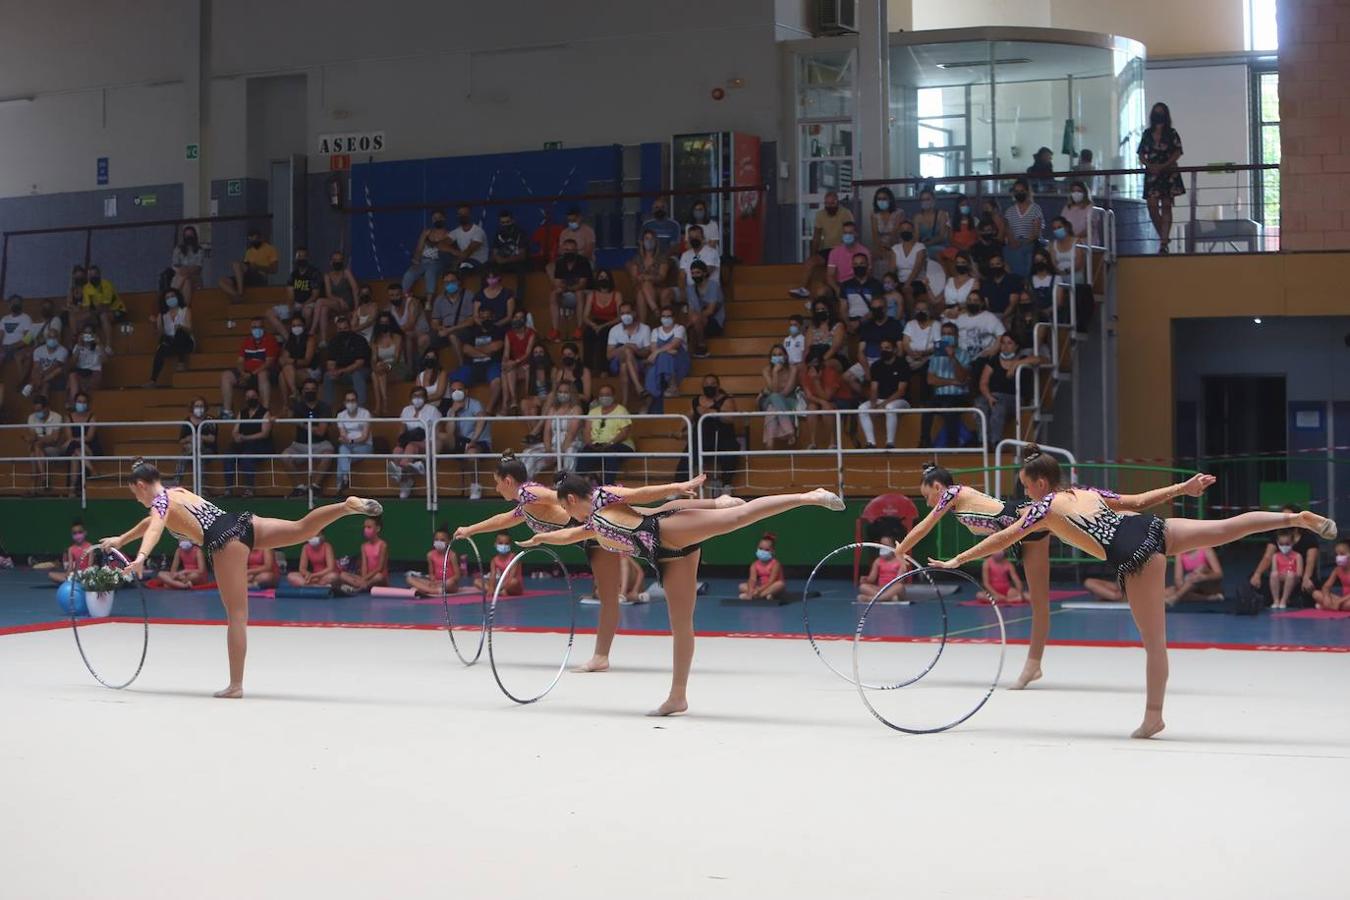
[
  {"x": 671, "y": 708},
  {"x": 1030, "y": 672},
  {"x": 726, "y": 500},
  {"x": 363, "y": 507},
  {"x": 233, "y": 692},
  {"x": 1319, "y": 525},
  {"x": 827, "y": 499},
  {"x": 1152, "y": 724},
  {"x": 596, "y": 663}
]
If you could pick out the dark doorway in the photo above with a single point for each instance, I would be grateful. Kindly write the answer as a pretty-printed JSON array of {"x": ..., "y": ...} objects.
[{"x": 1244, "y": 416}]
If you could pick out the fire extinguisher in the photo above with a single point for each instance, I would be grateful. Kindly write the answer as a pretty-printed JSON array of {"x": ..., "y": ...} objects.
[{"x": 334, "y": 192}]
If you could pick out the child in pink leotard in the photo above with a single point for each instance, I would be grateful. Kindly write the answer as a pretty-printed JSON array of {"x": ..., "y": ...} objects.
[
  {"x": 515, "y": 585},
  {"x": 442, "y": 568},
  {"x": 765, "y": 581},
  {"x": 1324, "y": 597},
  {"x": 885, "y": 568},
  {"x": 1287, "y": 571},
  {"x": 318, "y": 565},
  {"x": 1000, "y": 579},
  {"x": 374, "y": 562},
  {"x": 187, "y": 569}
]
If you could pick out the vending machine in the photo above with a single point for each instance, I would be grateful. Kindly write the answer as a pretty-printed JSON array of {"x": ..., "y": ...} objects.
[{"x": 722, "y": 159}]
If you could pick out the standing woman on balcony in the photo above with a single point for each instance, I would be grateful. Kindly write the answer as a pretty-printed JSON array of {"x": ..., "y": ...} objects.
[{"x": 1159, "y": 150}]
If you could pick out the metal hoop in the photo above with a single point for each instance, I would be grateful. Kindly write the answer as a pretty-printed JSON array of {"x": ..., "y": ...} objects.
[
  {"x": 572, "y": 624},
  {"x": 145, "y": 625},
  {"x": 1002, "y": 653},
  {"x": 445, "y": 602},
  {"x": 811, "y": 637}
]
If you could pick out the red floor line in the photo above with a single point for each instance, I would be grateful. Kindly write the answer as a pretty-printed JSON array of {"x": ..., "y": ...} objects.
[{"x": 758, "y": 635}]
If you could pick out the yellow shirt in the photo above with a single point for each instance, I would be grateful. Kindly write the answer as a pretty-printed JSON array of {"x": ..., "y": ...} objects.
[
  {"x": 103, "y": 295},
  {"x": 605, "y": 427},
  {"x": 831, "y": 227},
  {"x": 263, "y": 257}
]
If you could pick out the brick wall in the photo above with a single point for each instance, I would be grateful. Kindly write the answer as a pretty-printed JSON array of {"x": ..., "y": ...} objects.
[{"x": 1315, "y": 124}]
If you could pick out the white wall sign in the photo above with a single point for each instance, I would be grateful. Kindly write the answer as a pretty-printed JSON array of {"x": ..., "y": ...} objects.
[{"x": 356, "y": 142}]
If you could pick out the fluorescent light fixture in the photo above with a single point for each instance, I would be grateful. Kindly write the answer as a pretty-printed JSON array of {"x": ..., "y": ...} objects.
[
  {"x": 1013, "y": 61},
  {"x": 1257, "y": 320}
]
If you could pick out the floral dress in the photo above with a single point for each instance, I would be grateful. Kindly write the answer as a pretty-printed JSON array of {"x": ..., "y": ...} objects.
[{"x": 1155, "y": 150}]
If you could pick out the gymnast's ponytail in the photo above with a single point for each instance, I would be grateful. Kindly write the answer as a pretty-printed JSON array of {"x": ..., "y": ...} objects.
[
  {"x": 1037, "y": 465},
  {"x": 142, "y": 472},
  {"x": 935, "y": 474},
  {"x": 510, "y": 467}
]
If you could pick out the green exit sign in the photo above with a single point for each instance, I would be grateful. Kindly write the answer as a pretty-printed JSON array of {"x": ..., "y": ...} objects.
[
  {"x": 193, "y": 151},
  {"x": 552, "y": 145}
]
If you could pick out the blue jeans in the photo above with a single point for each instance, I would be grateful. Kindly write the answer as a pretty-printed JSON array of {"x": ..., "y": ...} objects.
[
  {"x": 666, "y": 370},
  {"x": 430, "y": 271},
  {"x": 345, "y": 454},
  {"x": 359, "y": 380},
  {"x": 1019, "y": 258}
]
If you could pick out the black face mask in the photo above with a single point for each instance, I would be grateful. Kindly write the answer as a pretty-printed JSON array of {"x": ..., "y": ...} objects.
[
  {"x": 997, "y": 270},
  {"x": 430, "y": 362},
  {"x": 962, "y": 267},
  {"x": 660, "y": 213},
  {"x": 922, "y": 315},
  {"x": 95, "y": 279},
  {"x": 15, "y": 310},
  {"x": 709, "y": 391},
  {"x": 879, "y": 313},
  {"x": 860, "y": 271},
  {"x": 464, "y": 220},
  {"x": 1156, "y": 118},
  {"x": 365, "y": 298},
  {"x": 251, "y": 402},
  {"x": 339, "y": 265},
  {"x": 568, "y": 359},
  {"x": 438, "y": 223},
  {"x": 973, "y": 308},
  {"x": 888, "y": 355},
  {"x": 311, "y": 396},
  {"x": 396, "y": 301},
  {"x": 695, "y": 243},
  {"x": 699, "y": 278},
  {"x": 906, "y": 235},
  {"x": 518, "y": 324},
  {"x": 570, "y": 256},
  {"x": 987, "y": 237},
  {"x": 820, "y": 316},
  {"x": 604, "y": 284},
  {"x": 1019, "y": 196},
  {"x": 255, "y": 244}
]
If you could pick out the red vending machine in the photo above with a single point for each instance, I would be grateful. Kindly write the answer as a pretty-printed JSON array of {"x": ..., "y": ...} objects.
[{"x": 722, "y": 159}]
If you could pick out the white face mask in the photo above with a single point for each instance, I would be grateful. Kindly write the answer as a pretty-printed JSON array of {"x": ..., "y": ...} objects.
[
  {"x": 626, "y": 318},
  {"x": 606, "y": 401},
  {"x": 503, "y": 548},
  {"x": 315, "y": 541},
  {"x": 564, "y": 399},
  {"x": 1077, "y": 196},
  {"x": 667, "y": 321},
  {"x": 297, "y": 330},
  {"x": 185, "y": 545},
  {"x": 438, "y": 546},
  {"x": 1286, "y": 548},
  {"x": 199, "y": 411},
  {"x": 352, "y": 407},
  {"x": 457, "y": 395},
  {"x": 887, "y": 553},
  {"x": 418, "y": 402},
  {"x": 1342, "y": 559}
]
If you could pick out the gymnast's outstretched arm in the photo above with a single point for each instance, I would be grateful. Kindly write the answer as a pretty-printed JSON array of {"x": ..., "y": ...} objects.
[
  {"x": 1192, "y": 487},
  {"x": 999, "y": 540},
  {"x": 574, "y": 535},
  {"x": 117, "y": 543},
  {"x": 500, "y": 522},
  {"x": 920, "y": 531},
  {"x": 657, "y": 491}
]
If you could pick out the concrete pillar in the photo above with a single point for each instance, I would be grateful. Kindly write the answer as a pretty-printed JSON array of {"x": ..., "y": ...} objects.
[
  {"x": 197, "y": 106},
  {"x": 873, "y": 89}
]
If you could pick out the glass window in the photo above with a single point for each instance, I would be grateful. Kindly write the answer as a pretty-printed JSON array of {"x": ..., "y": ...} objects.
[
  {"x": 1259, "y": 19},
  {"x": 825, "y": 85},
  {"x": 1267, "y": 149}
]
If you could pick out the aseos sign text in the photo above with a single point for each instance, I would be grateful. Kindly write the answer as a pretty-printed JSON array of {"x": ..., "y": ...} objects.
[{"x": 356, "y": 142}]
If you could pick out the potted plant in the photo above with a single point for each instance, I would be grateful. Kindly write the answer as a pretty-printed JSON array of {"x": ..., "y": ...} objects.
[{"x": 100, "y": 585}]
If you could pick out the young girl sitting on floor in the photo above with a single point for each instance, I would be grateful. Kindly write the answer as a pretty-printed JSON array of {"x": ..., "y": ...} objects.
[
  {"x": 1324, "y": 597},
  {"x": 188, "y": 568},
  {"x": 318, "y": 565},
  {"x": 74, "y": 558},
  {"x": 516, "y": 585},
  {"x": 263, "y": 570},
  {"x": 442, "y": 566},
  {"x": 1000, "y": 580},
  {"x": 374, "y": 562},
  {"x": 1287, "y": 571},
  {"x": 766, "y": 580},
  {"x": 885, "y": 568}
]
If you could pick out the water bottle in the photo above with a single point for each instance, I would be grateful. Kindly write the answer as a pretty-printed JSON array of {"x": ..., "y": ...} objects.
[{"x": 281, "y": 563}]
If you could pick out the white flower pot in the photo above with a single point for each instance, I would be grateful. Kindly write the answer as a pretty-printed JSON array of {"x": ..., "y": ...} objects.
[{"x": 100, "y": 603}]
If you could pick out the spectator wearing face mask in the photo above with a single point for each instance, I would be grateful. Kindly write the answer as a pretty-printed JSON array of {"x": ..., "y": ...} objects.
[
  {"x": 187, "y": 570},
  {"x": 825, "y": 334},
  {"x": 1071, "y": 275},
  {"x": 16, "y": 330},
  {"x": 911, "y": 258},
  {"x": 794, "y": 343},
  {"x": 887, "y": 382},
  {"x": 1304, "y": 546},
  {"x": 572, "y": 276},
  {"x": 104, "y": 304},
  {"x": 252, "y": 437},
  {"x": 253, "y": 369},
  {"x": 353, "y": 436},
  {"x": 348, "y": 363},
  {"x": 887, "y": 217},
  {"x": 432, "y": 376},
  {"x": 363, "y": 319},
  {"x": 649, "y": 271},
  {"x": 560, "y": 439},
  {"x": 76, "y": 557},
  {"x": 716, "y": 434},
  {"x": 46, "y": 436},
  {"x": 599, "y": 314},
  {"x": 664, "y": 228},
  {"x": 1001, "y": 287},
  {"x": 917, "y": 343},
  {"x": 340, "y": 290},
  {"x": 949, "y": 378},
  {"x": 979, "y": 331},
  {"x": 877, "y": 330},
  {"x": 468, "y": 249},
  {"x": 387, "y": 362},
  {"x": 299, "y": 359},
  {"x": 419, "y": 429},
  {"x": 1041, "y": 284},
  {"x": 516, "y": 354},
  {"x": 710, "y": 230},
  {"x": 782, "y": 395},
  {"x": 668, "y": 361},
  {"x": 932, "y": 226},
  {"x": 1086, "y": 163},
  {"x": 481, "y": 350},
  {"x": 706, "y": 306},
  {"x": 840, "y": 262},
  {"x": 430, "y": 257},
  {"x": 86, "y": 364},
  {"x": 309, "y": 456},
  {"x": 510, "y": 253},
  {"x": 827, "y": 233},
  {"x": 410, "y": 316},
  {"x": 304, "y": 289},
  {"x": 1022, "y": 320},
  {"x": 538, "y": 383},
  {"x": 83, "y": 428},
  {"x": 628, "y": 345},
  {"x": 468, "y": 427},
  {"x": 197, "y": 427},
  {"x": 48, "y": 370},
  {"x": 988, "y": 246},
  {"x": 607, "y": 432},
  {"x": 572, "y": 371},
  {"x": 260, "y": 261},
  {"x": 452, "y": 314},
  {"x": 174, "y": 325},
  {"x": 1078, "y": 213},
  {"x": 858, "y": 291},
  {"x": 580, "y": 233},
  {"x": 1041, "y": 170},
  {"x": 998, "y": 385},
  {"x": 965, "y": 229},
  {"x": 188, "y": 258},
  {"x": 959, "y": 286},
  {"x": 1025, "y": 220},
  {"x": 498, "y": 299},
  {"x": 1159, "y": 151}
]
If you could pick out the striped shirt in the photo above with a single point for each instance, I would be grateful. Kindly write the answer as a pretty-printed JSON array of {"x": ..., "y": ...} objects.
[
  {"x": 1023, "y": 224},
  {"x": 944, "y": 366}
]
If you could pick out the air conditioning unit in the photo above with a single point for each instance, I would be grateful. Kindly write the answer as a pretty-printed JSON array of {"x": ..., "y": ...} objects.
[{"x": 837, "y": 16}]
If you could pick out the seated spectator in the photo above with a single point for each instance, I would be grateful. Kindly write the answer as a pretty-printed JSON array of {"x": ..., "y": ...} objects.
[
  {"x": 510, "y": 254},
  {"x": 1023, "y": 319},
  {"x": 86, "y": 365},
  {"x": 998, "y": 385},
  {"x": 1306, "y": 548},
  {"x": 949, "y": 378},
  {"x": 318, "y": 565},
  {"x": 932, "y": 226},
  {"x": 432, "y": 376},
  {"x": 255, "y": 368},
  {"x": 580, "y": 233},
  {"x": 825, "y": 387},
  {"x": 262, "y": 570},
  {"x": 469, "y": 244},
  {"x": 496, "y": 298},
  {"x": 188, "y": 568},
  {"x": 978, "y": 331},
  {"x": 560, "y": 438},
  {"x": 48, "y": 370},
  {"x": 599, "y": 314},
  {"x": 517, "y": 353},
  {"x": 1078, "y": 213},
  {"x": 991, "y": 217},
  {"x": 538, "y": 382},
  {"x": 571, "y": 275},
  {"x": 468, "y": 426},
  {"x": 668, "y": 358},
  {"x": 1196, "y": 575},
  {"x": 75, "y": 312},
  {"x": 1022, "y": 230},
  {"x": 419, "y": 429},
  {"x": 999, "y": 580},
  {"x": 430, "y": 257},
  {"x": 794, "y": 344},
  {"x": 260, "y": 261},
  {"x": 984, "y": 250},
  {"x": 1041, "y": 170},
  {"x": 410, "y": 317},
  {"x": 1327, "y": 597},
  {"x": 481, "y": 349},
  {"x": 887, "y": 217},
  {"x": 649, "y": 271},
  {"x": 780, "y": 394},
  {"x": 839, "y": 264},
  {"x": 827, "y": 233},
  {"x": 453, "y": 313},
  {"x": 83, "y": 430},
  {"x": 665, "y": 229},
  {"x": 197, "y": 427},
  {"x": 716, "y": 434},
  {"x": 299, "y": 359},
  {"x": 885, "y": 569},
  {"x": 911, "y": 259},
  {"x": 387, "y": 362},
  {"x": 1287, "y": 571},
  {"x": 766, "y": 580},
  {"x": 629, "y": 344},
  {"x": 50, "y": 322},
  {"x": 16, "y": 331},
  {"x": 918, "y": 342},
  {"x": 47, "y": 436},
  {"x": 309, "y": 456},
  {"x": 252, "y": 437},
  {"x": 1086, "y": 163},
  {"x": 887, "y": 380},
  {"x": 707, "y": 306},
  {"x": 174, "y": 325},
  {"x": 571, "y": 371},
  {"x": 74, "y": 558},
  {"x": 363, "y": 320},
  {"x": 825, "y": 335},
  {"x": 877, "y": 329},
  {"x": 857, "y": 291},
  {"x": 304, "y": 288},
  {"x": 1071, "y": 274},
  {"x": 374, "y": 566},
  {"x": 710, "y": 231},
  {"x": 353, "y": 436},
  {"x": 1000, "y": 287},
  {"x": 514, "y": 585},
  {"x": 348, "y": 362},
  {"x": 965, "y": 230},
  {"x": 188, "y": 259},
  {"x": 963, "y": 281},
  {"x": 340, "y": 290},
  {"x": 606, "y": 433}
]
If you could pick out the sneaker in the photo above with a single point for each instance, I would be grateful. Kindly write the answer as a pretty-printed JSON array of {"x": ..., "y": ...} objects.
[
  {"x": 636, "y": 601},
  {"x": 394, "y": 470},
  {"x": 702, "y": 353},
  {"x": 553, "y": 334},
  {"x": 419, "y": 467},
  {"x": 590, "y": 601},
  {"x": 799, "y": 292},
  {"x": 475, "y": 491},
  {"x": 27, "y": 390},
  {"x": 404, "y": 489},
  {"x": 226, "y": 413}
]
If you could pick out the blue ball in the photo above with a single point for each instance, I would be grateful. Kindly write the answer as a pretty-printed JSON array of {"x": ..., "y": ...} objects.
[{"x": 70, "y": 597}]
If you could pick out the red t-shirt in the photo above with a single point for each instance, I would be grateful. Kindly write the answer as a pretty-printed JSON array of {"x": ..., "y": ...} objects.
[
  {"x": 258, "y": 353},
  {"x": 517, "y": 342}
]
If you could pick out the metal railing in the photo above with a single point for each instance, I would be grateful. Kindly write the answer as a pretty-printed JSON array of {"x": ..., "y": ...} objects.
[{"x": 39, "y": 467}]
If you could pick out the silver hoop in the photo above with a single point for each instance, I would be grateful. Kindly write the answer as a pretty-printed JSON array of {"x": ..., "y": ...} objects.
[
  {"x": 811, "y": 637},
  {"x": 445, "y": 602},
  {"x": 145, "y": 624},
  {"x": 858, "y": 641},
  {"x": 572, "y": 622}
]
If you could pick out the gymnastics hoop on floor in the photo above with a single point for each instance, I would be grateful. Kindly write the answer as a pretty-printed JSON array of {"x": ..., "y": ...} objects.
[
  {"x": 116, "y": 555},
  {"x": 572, "y": 622},
  {"x": 858, "y": 641},
  {"x": 913, "y": 567},
  {"x": 445, "y": 602}
]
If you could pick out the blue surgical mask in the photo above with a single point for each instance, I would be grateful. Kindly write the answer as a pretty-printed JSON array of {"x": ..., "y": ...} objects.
[
  {"x": 1061, "y": 234},
  {"x": 52, "y": 343},
  {"x": 1006, "y": 355},
  {"x": 794, "y": 330},
  {"x": 850, "y": 238},
  {"x": 573, "y": 225},
  {"x": 883, "y": 205},
  {"x": 888, "y": 553},
  {"x": 171, "y": 302},
  {"x": 257, "y": 334},
  {"x": 777, "y": 359},
  {"x": 452, "y": 287},
  {"x": 764, "y": 555},
  {"x": 503, "y": 548},
  {"x": 81, "y": 407}
]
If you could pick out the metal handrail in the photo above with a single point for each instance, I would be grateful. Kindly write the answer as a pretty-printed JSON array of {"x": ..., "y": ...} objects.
[
  {"x": 1070, "y": 175},
  {"x": 559, "y": 198}
]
